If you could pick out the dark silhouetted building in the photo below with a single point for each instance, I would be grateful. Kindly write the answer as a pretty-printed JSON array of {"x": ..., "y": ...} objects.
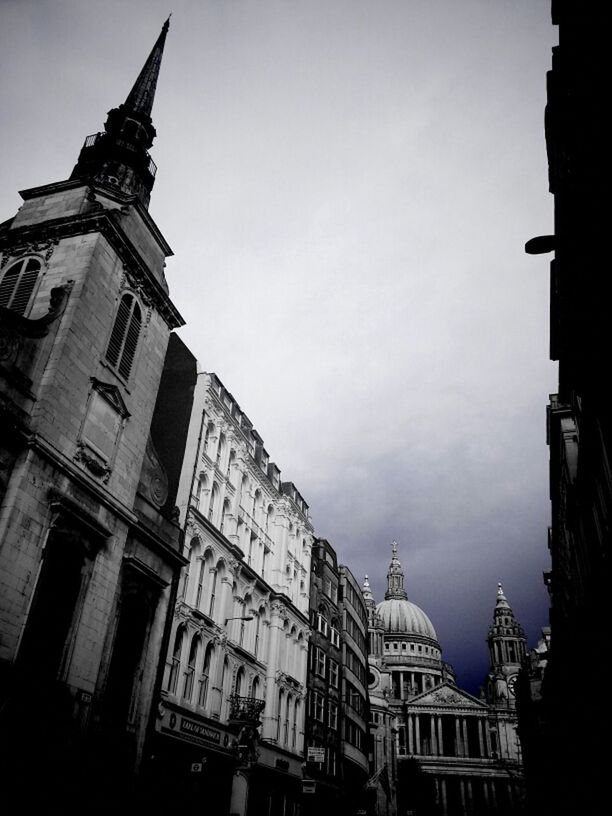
[{"x": 574, "y": 744}]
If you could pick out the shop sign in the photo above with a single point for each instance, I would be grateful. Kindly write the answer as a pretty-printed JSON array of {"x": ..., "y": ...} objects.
[
  {"x": 316, "y": 755},
  {"x": 192, "y": 731},
  {"x": 197, "y": 729},
  {"x": 309, "y": 786}
]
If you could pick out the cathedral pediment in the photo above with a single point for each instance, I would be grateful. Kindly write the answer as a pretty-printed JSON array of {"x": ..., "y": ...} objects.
[{"x": 446, "y": 695}]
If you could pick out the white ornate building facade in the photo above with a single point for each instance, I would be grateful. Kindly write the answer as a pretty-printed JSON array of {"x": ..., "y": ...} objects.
[
  {"x": 434, "y": 747},
  {"x": 234, "y": 692}
]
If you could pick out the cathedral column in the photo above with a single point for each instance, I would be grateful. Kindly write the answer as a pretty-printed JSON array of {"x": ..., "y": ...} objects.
[
  {"x": 470, "y": 797},
  {"x": 485, "y": 786},
  {"x": 487, "y": 737},
  {"x": 440, "y": 739},
  {"x": 462, "y": 792},
  {"x": 480, "y": 723},
  {"x": 493, "y": 795},
  {"x": 410, "y": 723},
  {"x": 432, "y": 731},
  {"x": 401, "y": 681},
  {"x": 418, "y": 733},
  {"x": 458, "y": 741},
  {"x": 443, "y": 789},
  {"x": 464, "y": 732}
]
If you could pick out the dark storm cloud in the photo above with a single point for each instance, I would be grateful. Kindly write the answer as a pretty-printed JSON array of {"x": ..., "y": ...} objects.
[{"x": 348, "y": 186}]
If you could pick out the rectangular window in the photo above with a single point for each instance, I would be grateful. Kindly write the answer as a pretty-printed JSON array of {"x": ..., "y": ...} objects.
[
  {"x": 333, "y": 673},
  {"x": 335, "y": 637},
  {"x": 333, "y": 716},
  {"x": 318, "y": 706},
  {"x": 320, "y": 662}
]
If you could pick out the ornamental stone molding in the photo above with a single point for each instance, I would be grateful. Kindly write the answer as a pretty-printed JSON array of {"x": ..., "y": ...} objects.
[
  {"x": 94, "y": 464},
  {"x": 43, "y": 248},
  {"x": 278, "y": 608}
]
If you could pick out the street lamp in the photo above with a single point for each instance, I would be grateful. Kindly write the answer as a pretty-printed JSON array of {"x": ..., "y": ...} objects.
[{"x": 238, "y": 617}]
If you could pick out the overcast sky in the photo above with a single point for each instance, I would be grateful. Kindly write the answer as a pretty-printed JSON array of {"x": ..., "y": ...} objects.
[{"x": 347, "y": 186}]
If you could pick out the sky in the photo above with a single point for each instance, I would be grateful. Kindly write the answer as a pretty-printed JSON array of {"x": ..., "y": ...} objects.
[{"x": 347, "y": 186}]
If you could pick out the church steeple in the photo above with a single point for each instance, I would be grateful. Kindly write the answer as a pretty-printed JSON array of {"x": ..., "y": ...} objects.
[
  {"x": 119, "y": 158},
  {"x": 140, "y": 98},
  {"x": 395, "y": 578}
]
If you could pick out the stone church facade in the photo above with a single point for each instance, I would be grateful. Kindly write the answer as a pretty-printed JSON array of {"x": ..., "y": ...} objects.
[
  {"x": 435, "y": 748},
  {"x": 89, "y": 543}
]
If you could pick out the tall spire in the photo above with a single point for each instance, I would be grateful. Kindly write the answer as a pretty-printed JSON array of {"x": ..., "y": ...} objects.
[
  {"x": 119, "y": 157},
  {"x": 140, "y": 98},
  {"x": 395, "y": 577}
]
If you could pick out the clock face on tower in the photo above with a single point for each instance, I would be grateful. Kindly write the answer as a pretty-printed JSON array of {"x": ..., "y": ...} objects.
[{"x": 512, "y": 684}]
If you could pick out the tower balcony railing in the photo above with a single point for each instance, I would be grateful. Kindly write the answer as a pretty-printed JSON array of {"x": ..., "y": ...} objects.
[
  {"x": 245, "y": 710},
  {"x": 93, "y": 139}
]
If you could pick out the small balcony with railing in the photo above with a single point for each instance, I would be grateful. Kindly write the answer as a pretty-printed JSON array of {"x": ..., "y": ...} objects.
[{"x": 245, "y": 711}]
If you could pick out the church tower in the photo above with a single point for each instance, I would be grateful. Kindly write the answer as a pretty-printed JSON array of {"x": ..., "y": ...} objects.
[
  {"x": 507, "y": 644},
  {"x": 89, "y": 547}
]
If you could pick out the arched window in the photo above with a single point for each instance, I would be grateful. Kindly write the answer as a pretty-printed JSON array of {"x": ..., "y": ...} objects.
[
  {"x": 257, "y": 633},
  {"x": 205, "y": 676},
  {"x": 213, "y": 588},
  {"x": 214, "y": 493},
  {"x": 255, "y": 687},
  {"x": 195, "y": 548},
  {"x": 269, "y": 517},
  {"x": 244, "y": 636},
  {"x": 220, "y": 450},
  {"x": 288, "y": 710},
  {"x": 294, "y": 724},
  {"x": 17, "y": 284},
  {"x": 244, "y": 484},
  {"x": 190, "y": 670},
  {"x": 224, "y": 514},
  {"x": 239, "y": 685},
  {"x": 202, "y": 486},
  {"x": 124, "y": 336},
  {"x": 200, "y": 584},
  {"x": 230, "y": 461},
  {"x": 176, "y": 659},
  {"x": 210, "y": 428},
  {"x": 256, "y": 503},
  {"x": 281, "y": 700},
  {"x": 225, "y": 689}
]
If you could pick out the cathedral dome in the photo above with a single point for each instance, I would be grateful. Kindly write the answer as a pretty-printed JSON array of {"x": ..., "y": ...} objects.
[{"x": 400, "y": 616}]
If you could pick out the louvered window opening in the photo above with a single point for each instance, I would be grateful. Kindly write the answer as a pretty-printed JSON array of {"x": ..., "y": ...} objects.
[
  {"x": 18, "y": 283},
  {"x": 124, "y": 337}
]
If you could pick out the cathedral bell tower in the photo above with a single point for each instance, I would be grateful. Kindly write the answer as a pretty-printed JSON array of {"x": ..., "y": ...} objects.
[{"x": 507, "y": 643}]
